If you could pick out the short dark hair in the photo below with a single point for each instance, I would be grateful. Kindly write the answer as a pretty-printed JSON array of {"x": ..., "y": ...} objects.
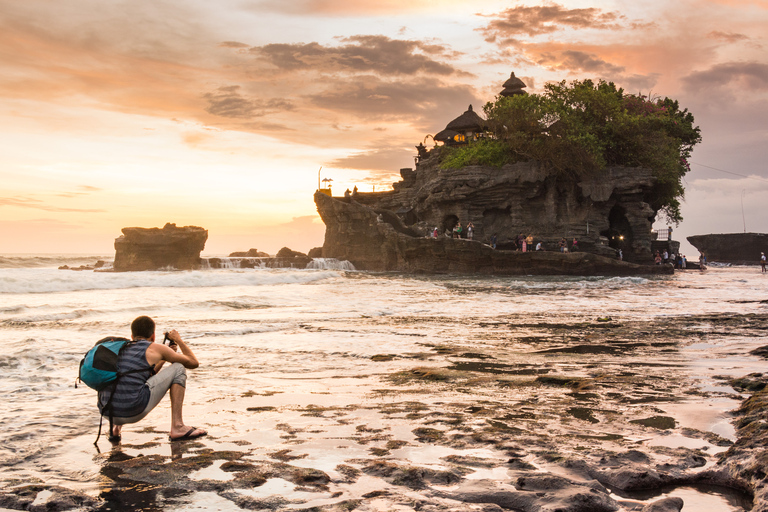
[{"x": 143, "y": 327}]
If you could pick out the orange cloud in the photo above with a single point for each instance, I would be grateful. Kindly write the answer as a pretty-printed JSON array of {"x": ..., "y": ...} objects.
[
  {"x": 508, "y": 25},
  {"x": 363, "y": 54},
  {"x": 351, "y": 7}
]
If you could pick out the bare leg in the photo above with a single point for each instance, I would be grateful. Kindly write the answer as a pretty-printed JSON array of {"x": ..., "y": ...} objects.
[
  {"x": 117, "y": 430},
  {"x": 178, "y": 428}
]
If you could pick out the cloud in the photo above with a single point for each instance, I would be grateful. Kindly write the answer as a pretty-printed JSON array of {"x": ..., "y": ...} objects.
[
  {"x": 575, "y": 60},
  {"x": 348, "y": 7},
  {"x": 420, "y": 102},
  {"x": 81, "y": 191},
  {"x": 747, "y": 76},
  {"x": 233, "y": 44},
  {"x": 228, "y": 102},
  {"x": 511, "y": 23},
  {"x": 29, "y": 202},
  {"x": 378, "y": 157},
  {"x": 362, "y": 54},
  {"x": 582, "y": 62},
  {"x": 727, "y": 37}
]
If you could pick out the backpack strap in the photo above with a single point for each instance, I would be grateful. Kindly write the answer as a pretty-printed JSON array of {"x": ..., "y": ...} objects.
[{"x": 108, "y": 406}]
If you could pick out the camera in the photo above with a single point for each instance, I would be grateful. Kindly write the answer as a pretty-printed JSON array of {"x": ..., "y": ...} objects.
[{"x": 167, "y": 341}]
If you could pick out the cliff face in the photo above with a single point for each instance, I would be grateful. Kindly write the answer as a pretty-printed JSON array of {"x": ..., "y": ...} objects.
[
  {"x": 737, "y": 248},
  {"x": 388, "y": 230},
  {"x": 372, "y": 240},
  {"x": 154, "y": 248},
  {"x": 604, "y": 213}
]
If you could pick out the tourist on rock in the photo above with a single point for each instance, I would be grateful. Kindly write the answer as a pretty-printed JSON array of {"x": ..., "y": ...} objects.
[
  {"x": 702, "y": 262},
  {"x": 459, "y": 230},
  {"x": 538, "y": 246},
  {"x": 493, "y": 241},
  {"x": 563, "y": 245},
  {"x": 665, "y": 256},
  {"x": 470, "y": 230},
  {"x": 762, "y": 261},
  {"x": 657, "y": 258},
  {"x": 574, "y": 245},
  {"x": 434, "y": 233},
  {"x": 621, "y": 255},
  {"x": 682, "y": 261}
]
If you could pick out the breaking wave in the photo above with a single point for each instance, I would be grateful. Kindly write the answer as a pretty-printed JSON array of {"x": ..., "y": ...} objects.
[{"x": 25, "y": 280}]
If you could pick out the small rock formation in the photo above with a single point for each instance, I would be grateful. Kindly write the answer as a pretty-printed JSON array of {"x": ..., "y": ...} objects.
[
  {"x": 99, "y": 264},
  {"x": 736, "y": 248},
  {"x": 251, "y": 253},
  {"x": 286, "y": 257},
  {"x": 315, "y": 252},
  {"x": 154, "y": 248}
]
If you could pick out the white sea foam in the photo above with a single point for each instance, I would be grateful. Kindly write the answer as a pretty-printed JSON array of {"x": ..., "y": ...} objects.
[
  {"x": 24, "y": 280},
  {"x": 330, "y": 264},
  {"x": 50, "y": 260}
]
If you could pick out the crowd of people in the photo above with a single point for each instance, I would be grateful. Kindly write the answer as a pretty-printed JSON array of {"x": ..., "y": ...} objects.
[
  {"x": 678, "y": 260},
  {"x": 521, "y": 242}
]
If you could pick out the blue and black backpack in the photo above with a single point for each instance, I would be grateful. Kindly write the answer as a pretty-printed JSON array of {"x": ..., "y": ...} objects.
[{"x": 98, "y": 370}]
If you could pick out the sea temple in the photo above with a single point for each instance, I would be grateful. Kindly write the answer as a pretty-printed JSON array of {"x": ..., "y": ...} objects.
[{"x": 596, "y": 224}]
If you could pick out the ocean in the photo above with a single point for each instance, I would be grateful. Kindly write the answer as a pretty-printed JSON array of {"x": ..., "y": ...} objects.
[{"x": 308, "y": 360}]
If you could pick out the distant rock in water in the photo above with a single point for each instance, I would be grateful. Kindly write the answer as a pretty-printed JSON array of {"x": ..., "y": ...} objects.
[
  {"x": 251, "y": 253},
  {"x": 294, "y": 259},
  {"x": 98, "y": 265},
  {"x": 736, "y": 248},
  {"x": 154, "y": 248}
]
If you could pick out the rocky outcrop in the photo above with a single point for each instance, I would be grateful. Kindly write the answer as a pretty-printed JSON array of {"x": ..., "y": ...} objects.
[
  {"x": 745, "y": 465},
  {"x": 605, "y": 212},
  {"x": 251, "y": 253},
  {"x": 377, "y": 240},
  {"x": 291, "y": 258},
  {"x": 736, "y": 248},
  {"x": 154, "y": 248},
  {"x": 98, "y": 265}
]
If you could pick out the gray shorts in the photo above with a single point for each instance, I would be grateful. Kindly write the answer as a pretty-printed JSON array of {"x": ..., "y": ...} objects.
[{"x": 159, "y": 385}]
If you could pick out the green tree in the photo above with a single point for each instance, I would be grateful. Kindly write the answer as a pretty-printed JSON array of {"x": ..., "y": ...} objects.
[{"x": 578, "y": 129}]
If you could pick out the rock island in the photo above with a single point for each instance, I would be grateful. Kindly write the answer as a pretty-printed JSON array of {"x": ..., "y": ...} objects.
[{"x": 547, "y": 185}]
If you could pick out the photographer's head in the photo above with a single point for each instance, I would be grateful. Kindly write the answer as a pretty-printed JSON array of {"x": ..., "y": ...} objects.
[{"x": 143, "y": 327}]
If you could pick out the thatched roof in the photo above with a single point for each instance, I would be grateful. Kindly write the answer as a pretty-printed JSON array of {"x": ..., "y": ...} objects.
[
  {"x": 469, "y": 120},
  {"x": 445, "y": 135},
  {"x": 513, "y": 86}
]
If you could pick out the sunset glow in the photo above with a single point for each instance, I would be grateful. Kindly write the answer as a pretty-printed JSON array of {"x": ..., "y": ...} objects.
[{"x": 221, "y": 114}]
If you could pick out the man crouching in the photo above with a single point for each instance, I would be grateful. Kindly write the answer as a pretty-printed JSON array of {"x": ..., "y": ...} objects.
[{"x": 139, "y": 392}]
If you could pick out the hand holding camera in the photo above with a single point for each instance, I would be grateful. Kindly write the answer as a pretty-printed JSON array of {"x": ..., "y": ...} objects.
[{"x": 168, "y": 339}]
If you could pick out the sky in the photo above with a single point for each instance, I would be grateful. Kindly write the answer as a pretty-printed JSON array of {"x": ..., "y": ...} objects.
[{"x": 226, "y": 114}]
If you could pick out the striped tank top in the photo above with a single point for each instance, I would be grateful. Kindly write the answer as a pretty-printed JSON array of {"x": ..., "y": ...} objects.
[{"x": 132, "y": 393}]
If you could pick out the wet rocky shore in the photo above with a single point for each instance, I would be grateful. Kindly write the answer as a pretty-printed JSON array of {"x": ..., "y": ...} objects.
[{"x": 523, "y": 415}]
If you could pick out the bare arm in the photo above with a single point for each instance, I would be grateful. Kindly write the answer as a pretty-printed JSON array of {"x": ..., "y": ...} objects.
[{"x": 158, "y": 354}]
